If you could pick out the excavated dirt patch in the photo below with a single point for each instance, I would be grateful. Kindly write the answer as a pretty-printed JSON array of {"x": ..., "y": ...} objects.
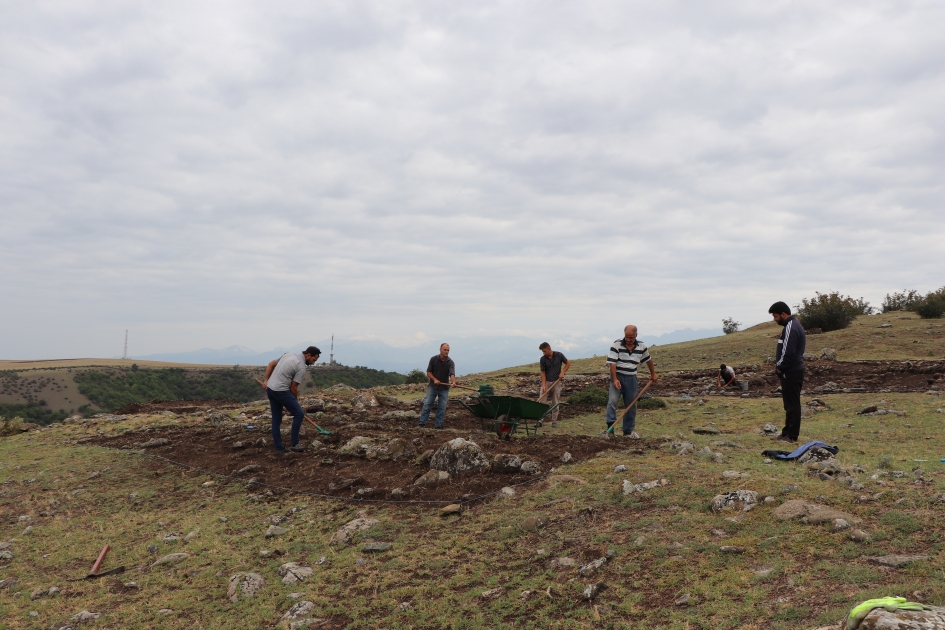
[
  {"x": 177, "y": 406},
  {"x": 211, "y": 449}
]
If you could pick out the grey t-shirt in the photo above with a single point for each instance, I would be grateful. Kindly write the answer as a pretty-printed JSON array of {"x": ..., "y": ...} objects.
[
  {"x": 291, "y": 367},
  {"x": 727, "y": 374}
]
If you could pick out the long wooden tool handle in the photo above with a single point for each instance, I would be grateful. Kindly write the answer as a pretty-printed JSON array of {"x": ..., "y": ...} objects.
[
  {"x": 548, "y": 391},
  {"x": 101, "y": 558},
  {"x": 472, "y": 389},
  {"x": 630, "y": 406}
]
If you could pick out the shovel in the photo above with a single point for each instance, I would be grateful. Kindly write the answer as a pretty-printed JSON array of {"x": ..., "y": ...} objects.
[
  {"x": 321, "y": 431},
  {"x": 94, "y": 574},
  {"x": 610, "y": 429}
]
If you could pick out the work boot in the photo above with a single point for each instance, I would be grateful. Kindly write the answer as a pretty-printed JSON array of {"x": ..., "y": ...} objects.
[
  {"x": 554, "y": 424},
  {"x": 298, "y": 448}
]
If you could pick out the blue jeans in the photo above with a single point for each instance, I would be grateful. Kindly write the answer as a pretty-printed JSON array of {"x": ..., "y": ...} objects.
[
  {"x": 278, "y": 400},
  {"x": 628, "y": 388},
  {"x": 441, "y": 396}
]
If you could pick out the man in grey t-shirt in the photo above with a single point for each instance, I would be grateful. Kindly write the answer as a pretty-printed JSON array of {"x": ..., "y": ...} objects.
[{"x": 283, "y": 377}]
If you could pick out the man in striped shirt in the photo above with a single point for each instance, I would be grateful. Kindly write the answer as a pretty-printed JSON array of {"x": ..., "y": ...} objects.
[{"x": 624, "y": 357}]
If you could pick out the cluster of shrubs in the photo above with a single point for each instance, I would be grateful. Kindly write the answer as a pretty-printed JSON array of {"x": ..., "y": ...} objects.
[
  {"x": 926, "y": 306},
  {"x": 831, "y": 311}
]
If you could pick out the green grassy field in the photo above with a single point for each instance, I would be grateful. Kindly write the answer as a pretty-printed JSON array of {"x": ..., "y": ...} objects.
[{"x": 438, "y": 568}]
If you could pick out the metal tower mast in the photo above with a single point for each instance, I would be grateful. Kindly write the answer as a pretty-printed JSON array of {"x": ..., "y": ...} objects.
[
  {"x": 126, "y": 344},
  {"x": 331, "y": 355}
]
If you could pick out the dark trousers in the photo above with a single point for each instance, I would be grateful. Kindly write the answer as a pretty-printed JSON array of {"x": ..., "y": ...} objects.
[
  {"x": 278, "y": 400},
  {"x": 791, "y": 383}
]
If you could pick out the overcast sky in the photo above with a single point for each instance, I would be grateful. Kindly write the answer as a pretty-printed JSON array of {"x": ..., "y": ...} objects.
[{"x": 216, "y": 173}]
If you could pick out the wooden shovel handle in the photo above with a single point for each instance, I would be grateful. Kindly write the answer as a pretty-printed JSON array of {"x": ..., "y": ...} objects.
[
  {"x": 101, "y": 558},
  {"x": 630, "y": 406}
]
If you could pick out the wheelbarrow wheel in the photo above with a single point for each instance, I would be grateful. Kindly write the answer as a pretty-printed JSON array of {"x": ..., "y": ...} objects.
[{"x": 503, "y": 427}]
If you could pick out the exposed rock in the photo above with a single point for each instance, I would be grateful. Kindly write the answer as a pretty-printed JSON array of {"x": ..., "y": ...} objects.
[
  {"x": 840, "y": 524},
  {"x": 451, "y": 509},
  {"x": 812, "y": 513},
  {"x": 563, "y": 562},
  {"x": 770, "y": 429},
  {"x": 397, "y": 449},
  {"x": 731, "y": 549},
  {"x": 356, "y": 446},
  {"x": 530, "y": 467},
  {"x": 682, "y": 600},
  {"x": 366, "y": 400},
  {"x": 432, "y": 477},
  {"x": 275, "y": 530},
  {"x": 387, "y": 401},
  {"x": 245, "y": 585},
  {"x": 870, "y": 409},
  {"x": 153, "y": 443},
  {"x": 492, "y": 593},
  {"x": 401, "y": 415},
  {"x": 741, "y": 500},
  {"x": 85, "y": 616},
  {"x": 566, "y": 457},
  {"x": 895, "y": 560},
  {"x": 344, "y": 484},
  {"x": 506, "y": 462},
  {"x": 459, "y": 456},
  {"x": 424, "y": 458},
  {"x": 533, "y": 522},
  {"x": 631, "y": 488},
  {"x": 591, "y": 567},
  {"x": 818, "y": 454},
  {"x": 734, "y": 474},
  {"x": 376, "y": 547},
  {"x": 593, "y": 590},
  {"x": 349, "y": 529},
  {"x": 858, "y": 535},
  {"x": 828, "y": 354},
  {"x": 248, "y": 468},
  {"x": 706, "y": 431},
  {"x": 619, "y": 469},
  {"x": 931, "y": 618},
  {"x": 172, "y": 558},
  {"x": 298, "y": 611},
  {"x": 507, "y": 491},
  {"x": 292, "y": 572}
]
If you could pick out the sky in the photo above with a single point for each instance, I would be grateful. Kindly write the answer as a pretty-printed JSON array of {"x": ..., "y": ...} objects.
[{"x": 206, "y": 174}]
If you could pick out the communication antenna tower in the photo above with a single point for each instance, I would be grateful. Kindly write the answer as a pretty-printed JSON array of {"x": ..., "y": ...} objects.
[
  {"x": 331, "y": 355},
  {"x": 126, "y": 344}
]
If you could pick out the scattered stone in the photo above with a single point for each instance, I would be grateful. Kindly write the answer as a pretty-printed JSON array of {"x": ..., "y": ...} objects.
[
  {"x": 858, "y": 535},
  {"x": 171, "y": 538},
  {"x": 770, "y": 429},
  {"x": 424, "y": 458},
  {"x": 165, "y": 611},
  {"x": 593, "y": 590},
  {"x": 566, "y": 457},
  {"x": 734, "y": 474},
  {"x": 507, "y": 491},
  {"x": 40, "y": 592},
  {"x": 459, "y": 456},
  {"x": 563, "y": 562},
  {"x": 762, "y": 571},
  {"x": 298, "y": 611},
  {"x": 706, "y": 431},
  {"x": 731, "y": 549},
  {"x": 376, "y": 547},
  {"x": 591, "y": 567},
  {"x": 769, "y": 500},
  {"x": 533, "y": 523},
  {"x": 870, "y": 409},
  {"x": 292, "y": 572},
  {"x": 275, "y": 530},
  {"x": 682, "y": 600},
  {"x": 53, "y": 591},
  {"x": 530, "y": 467},
  {"x": 828, "y": 354},
  {"x": 153, "y": 443},
  {"x": 432, "y": 477},
  {"x": 718, "y": 458},
  {"x": 811, "y": 513},
  {"x": 129, "y": 585},
  {"x": 492, "y": 593},
  {"x": 350, "y": 528},
  {"x": 739, "y": 500},
  {"x": 631, "y": 488},
  {"x": 621, "y": 468},
  {"x": 172, "y": 558},
  {"x": 85, "y": 616},
  {"x": 506, "y": 463},
  {"x": 526, "y": 594},
  {"x": 248, "y": 468},
  {"x": 639, "y": 542},
  {"x": 839, "y": 524},
  {"x": 451, "y": 509},
  {"x": 895, "y": 560}
]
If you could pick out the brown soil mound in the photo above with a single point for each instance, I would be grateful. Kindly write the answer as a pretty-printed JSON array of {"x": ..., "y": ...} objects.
[{"x": 211, "y": 449}]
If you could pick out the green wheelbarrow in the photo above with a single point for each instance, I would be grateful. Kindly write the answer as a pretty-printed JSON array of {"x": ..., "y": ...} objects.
[{"x": 504, "y": 414}]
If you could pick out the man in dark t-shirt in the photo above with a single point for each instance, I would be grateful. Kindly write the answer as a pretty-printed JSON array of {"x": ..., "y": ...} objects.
[
  {"x": 442, "y": 374},
  {"x": 554, "y": 366}
]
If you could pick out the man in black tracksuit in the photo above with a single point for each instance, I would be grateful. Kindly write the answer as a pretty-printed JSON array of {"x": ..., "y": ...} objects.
[{"x": 789, "y": 364}]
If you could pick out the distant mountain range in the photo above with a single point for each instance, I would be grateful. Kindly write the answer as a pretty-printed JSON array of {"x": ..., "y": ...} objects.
[{"x": 471, "y": 354}]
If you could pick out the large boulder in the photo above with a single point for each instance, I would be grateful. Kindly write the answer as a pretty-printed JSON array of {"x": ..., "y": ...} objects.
[
  {"x": 880, "y": 619},
  {"x": 397, "y": 449},
  {"x": 812, "y": 513},
  {"x": 245, "y": 585},
  {"x": 458, "y": 457}
]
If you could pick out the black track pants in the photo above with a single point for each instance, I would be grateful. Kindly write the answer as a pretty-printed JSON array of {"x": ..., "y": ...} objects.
[{"x": 791, "y": 383}]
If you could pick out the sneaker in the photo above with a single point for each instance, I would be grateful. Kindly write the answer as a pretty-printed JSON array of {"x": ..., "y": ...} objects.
[
  {"x": 298, "y": 448},
  {"x": 282, "y": 451},
  {"x": 437, "y": 427}
]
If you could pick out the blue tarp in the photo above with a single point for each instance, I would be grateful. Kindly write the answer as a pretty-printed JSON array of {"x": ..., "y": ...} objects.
[{"x": 800, "y": 450}]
